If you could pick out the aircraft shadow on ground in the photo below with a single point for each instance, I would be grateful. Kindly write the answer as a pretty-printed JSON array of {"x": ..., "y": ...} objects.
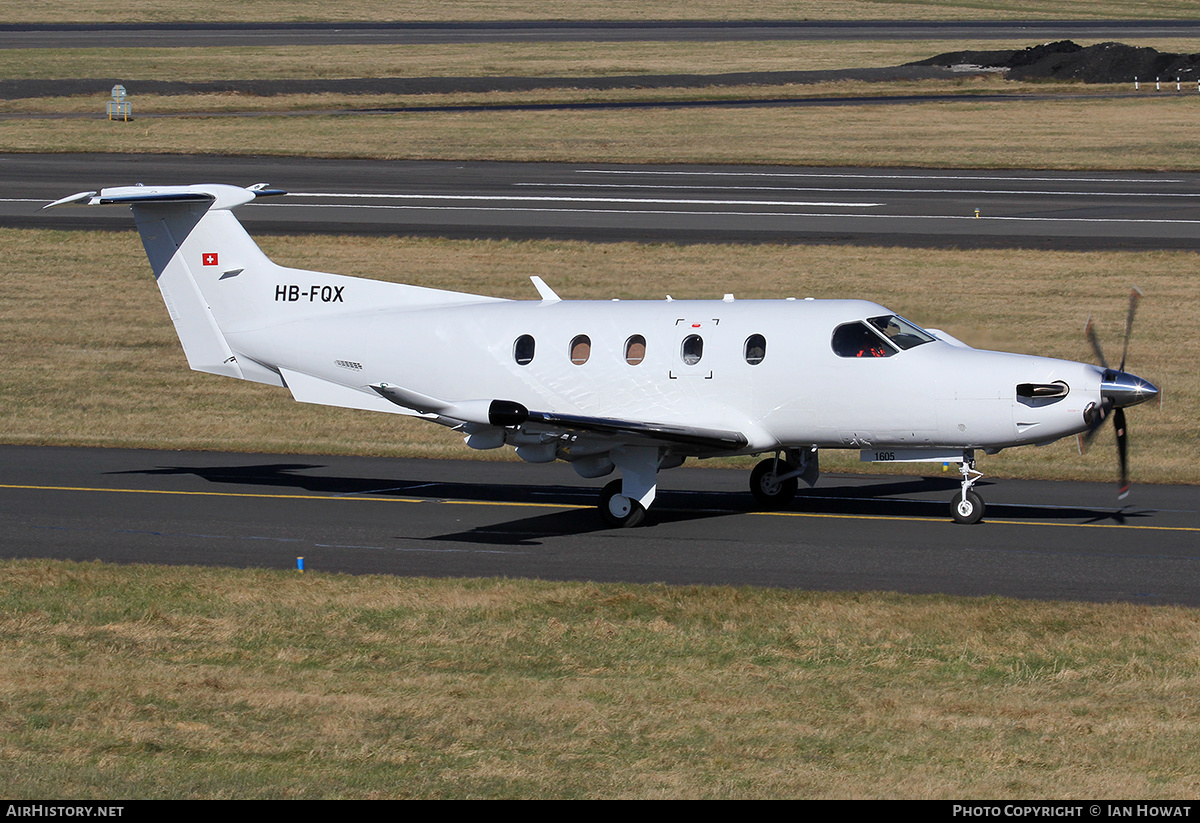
[{"x": 907, "y": 497}]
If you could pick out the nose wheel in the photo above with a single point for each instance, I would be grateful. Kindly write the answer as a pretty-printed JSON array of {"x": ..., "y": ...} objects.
[{"x": 967, "y": 506}]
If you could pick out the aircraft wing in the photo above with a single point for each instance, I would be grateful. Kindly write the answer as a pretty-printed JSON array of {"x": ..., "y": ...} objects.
[
  {"x": 510, "y": 414},
  {"x": 715, "y": 439}
]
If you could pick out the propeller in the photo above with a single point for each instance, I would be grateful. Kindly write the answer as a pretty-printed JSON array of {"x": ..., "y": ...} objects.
[{"x": 1118, "y": 389}]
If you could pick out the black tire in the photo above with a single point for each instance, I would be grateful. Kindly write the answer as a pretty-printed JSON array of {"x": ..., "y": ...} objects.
[
  {"x": 768, "y": 491},
  {"x": 966, "y": 509},
  {"x": 618, "y": 510}
]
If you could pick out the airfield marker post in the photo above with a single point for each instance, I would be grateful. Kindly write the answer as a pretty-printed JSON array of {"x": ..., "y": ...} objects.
[{"x": 118, "y": 105}]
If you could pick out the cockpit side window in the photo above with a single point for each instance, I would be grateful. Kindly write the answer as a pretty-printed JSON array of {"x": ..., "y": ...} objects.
[
  {"x": 857, "y": 340},
  {"x": 904, "y": 334}
]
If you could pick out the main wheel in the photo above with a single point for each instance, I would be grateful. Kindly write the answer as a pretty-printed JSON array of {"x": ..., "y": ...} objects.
[
  {"x": 619, "y": 510},
  {"x": 769, "y": 491},
  {"x": 966, "y": 508}
]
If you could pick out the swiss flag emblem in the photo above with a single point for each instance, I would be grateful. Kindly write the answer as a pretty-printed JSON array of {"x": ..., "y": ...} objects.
[{"x": 210, "y": 259}]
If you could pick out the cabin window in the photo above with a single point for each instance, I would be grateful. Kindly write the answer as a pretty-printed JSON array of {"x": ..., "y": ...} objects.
[
  {"x": 692, "y": 349},
  {"x": 523, "y": 350},
  {"x": 581, "y": 349},
  {"x": 856, "y": 340},
  {"x": 756, "y": 349},
  {"x": 635, "y": 350}
]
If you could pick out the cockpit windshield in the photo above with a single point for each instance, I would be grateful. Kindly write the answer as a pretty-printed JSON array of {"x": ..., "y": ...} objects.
[{"x": 901, "y": 332}]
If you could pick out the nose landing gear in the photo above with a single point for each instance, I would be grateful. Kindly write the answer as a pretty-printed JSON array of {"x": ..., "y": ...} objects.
[{"x": 967, "y": 506}]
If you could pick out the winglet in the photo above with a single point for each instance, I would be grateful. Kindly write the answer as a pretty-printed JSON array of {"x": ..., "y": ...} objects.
[{"x": 547, "y": 293}]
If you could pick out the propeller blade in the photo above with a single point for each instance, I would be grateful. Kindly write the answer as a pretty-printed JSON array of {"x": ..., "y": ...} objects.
[
  {"x": 1090, "y": 331},
  {"x": 1134, "y": 297},
  {"x": 1122, "y": 445},
  {"x": 1099, "y": 415}
]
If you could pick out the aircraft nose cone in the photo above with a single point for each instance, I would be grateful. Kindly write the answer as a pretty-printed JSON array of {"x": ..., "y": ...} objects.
[{"x": 1125, "y": 389}]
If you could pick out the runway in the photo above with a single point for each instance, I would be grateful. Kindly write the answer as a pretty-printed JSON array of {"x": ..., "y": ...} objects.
[
  {"x": 676, "y": 203},
  {"x": 1040, "y": 540}
]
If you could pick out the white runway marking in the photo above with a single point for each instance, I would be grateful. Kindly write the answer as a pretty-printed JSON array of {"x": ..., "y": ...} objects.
[
  {"x": 1035, "y": 192},
  {"x": 840, "y": 215},
  {"x": 865, "y": 176},
  {"x": 560, "y": 199}
]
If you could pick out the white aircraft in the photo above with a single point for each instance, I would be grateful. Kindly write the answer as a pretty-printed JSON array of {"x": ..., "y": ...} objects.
[{"x": 637, "y": 386}]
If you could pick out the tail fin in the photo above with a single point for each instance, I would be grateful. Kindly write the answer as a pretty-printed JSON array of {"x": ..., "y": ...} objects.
[
  {"x": 216, "y": 281},
  {"x": 187, "y": 227}
]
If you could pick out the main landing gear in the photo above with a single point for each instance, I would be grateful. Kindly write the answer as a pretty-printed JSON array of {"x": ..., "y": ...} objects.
[
  {"x": 618, "y": 510},
  {"x": 967, "y": 506},
  {"x": 623, "y": 502}
]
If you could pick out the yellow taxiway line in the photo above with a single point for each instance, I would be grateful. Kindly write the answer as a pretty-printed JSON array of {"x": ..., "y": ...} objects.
[{"x": 362, "y": 497}]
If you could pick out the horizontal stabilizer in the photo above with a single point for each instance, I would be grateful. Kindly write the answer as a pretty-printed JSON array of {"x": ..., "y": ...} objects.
[{"x": 221, "y": 196}]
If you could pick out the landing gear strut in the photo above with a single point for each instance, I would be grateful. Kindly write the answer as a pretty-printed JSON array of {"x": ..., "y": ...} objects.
[{"x": 967, "y": 506}]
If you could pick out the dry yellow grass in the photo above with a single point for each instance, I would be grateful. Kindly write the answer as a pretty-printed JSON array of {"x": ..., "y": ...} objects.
[
  {"x": 110, "y": 372},
  {"x": 576, "y": 59},
  {"x": 1152, "y": 132},
  {"x": 421, "y": 10},
  {"x": 149, "y": 682}
]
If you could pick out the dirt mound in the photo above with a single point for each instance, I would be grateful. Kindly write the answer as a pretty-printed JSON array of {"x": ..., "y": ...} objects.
[{"x": 1065, "y": 60}]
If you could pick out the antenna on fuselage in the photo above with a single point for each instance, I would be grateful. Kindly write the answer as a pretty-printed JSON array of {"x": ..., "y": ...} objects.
[{"x": 547, "y": 293}]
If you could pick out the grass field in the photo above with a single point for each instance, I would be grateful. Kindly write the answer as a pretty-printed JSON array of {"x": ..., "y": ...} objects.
[
  {"x": 1151, "y": 133},
  {"x": 497, "y": 59},
  {"x": 1050, "y": 125},
  {"x": 423, "y": 10},
  {"x": 148, "y": 682}
]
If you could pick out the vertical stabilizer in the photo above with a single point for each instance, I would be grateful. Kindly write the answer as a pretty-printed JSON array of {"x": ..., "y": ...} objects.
[
  {"x": 219, "y": 286},
  {"x": 165, "y": 229},
  {"x": 173, "y": 220}
]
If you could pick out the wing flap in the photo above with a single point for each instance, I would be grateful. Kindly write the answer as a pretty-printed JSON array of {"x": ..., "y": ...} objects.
[
  {"x": 643, "y": 431},
  {"x": 509, "y": 414}
]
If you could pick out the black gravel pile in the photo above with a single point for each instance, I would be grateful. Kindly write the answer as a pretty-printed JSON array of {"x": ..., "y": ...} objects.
[{"x": 1065, "y": 60}]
